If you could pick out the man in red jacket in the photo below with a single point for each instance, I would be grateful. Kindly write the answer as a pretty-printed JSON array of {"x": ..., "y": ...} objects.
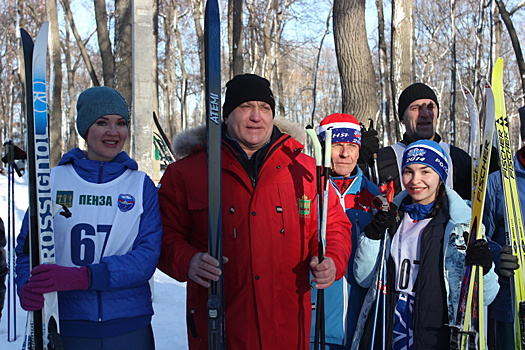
[{"x": 269, "y": 227}]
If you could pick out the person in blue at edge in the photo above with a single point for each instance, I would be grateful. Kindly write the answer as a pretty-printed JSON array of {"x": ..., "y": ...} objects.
[
  {"x": 502, "y": 309},
  {"x": 356, "y": 193},
  {"x": 426, "y": 254},
  {"x": 107, "y": 251}
]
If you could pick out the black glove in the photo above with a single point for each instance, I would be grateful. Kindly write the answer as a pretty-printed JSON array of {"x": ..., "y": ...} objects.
[
  {"x": 478, "y": 253},
  {"x": 381, "y": 221},
  {"x": 507, "y": 262},
  {"x": 369, "y": 146}
]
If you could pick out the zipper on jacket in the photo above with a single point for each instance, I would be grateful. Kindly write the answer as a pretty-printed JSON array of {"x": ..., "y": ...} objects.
[
  {"x": 232, "y": 211},
  {"x": 99, "y": 302},
  {"x": 100, "y": 172}
]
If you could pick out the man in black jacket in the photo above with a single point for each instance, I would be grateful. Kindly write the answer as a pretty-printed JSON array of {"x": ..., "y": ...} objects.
[{"x": 418, "y": 110}]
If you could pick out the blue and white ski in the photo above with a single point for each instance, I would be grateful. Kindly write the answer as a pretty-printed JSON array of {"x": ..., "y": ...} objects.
[{"x": 44, "y": 329}]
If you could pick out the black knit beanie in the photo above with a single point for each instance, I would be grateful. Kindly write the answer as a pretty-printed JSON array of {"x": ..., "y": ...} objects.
[
  {"x": 412, "y": 93},
  {"x": 247, "y": 87}
]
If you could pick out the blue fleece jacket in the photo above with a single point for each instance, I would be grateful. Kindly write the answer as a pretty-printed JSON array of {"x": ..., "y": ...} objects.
[{"x": 119, "y": 297}]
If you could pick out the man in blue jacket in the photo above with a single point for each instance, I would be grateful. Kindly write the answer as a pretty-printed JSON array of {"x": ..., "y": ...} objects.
[{"x": 356, "y": 193}]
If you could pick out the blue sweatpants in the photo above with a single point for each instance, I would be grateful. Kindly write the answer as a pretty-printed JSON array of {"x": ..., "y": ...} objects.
[{"x": 140, "y": 339}]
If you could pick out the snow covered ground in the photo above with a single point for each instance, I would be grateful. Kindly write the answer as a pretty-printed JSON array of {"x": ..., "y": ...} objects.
[{"x": 169, "y": 321}]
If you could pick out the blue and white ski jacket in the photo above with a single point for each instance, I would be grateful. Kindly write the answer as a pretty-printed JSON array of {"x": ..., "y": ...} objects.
[
  {"x": 494, "y": 221},
  {"x": 343, "y": 299},
  {"x": 428, "y": 295},
  {"x": 119, "y": 297}
]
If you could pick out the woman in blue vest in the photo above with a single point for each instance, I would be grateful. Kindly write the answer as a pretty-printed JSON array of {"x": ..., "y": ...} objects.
[
  {"x": 107, "y": 251},
  {"x": 426, "y": 251}
]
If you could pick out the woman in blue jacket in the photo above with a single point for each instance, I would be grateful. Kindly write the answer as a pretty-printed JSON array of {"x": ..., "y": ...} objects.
[
  {"x": 425, "y": 257},
  {"x": 107, "y": 251}
]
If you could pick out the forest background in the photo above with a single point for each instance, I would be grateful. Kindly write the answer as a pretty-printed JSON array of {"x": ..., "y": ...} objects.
[{"x": 321, "y": 57}]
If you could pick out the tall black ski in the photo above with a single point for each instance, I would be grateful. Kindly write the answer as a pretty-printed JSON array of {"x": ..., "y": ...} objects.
[
  {"x": 43, "y": 323},
  {"x": 212, "y": 54}
]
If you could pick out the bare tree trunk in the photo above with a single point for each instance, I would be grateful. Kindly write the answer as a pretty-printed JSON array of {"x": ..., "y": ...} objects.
[
  {"x": 387, "y": 118},
  {"x": 316, "y": 68},
  {"x": 123, "y": 48},
  {"x": 235, "y": 37},
  {"x": 85, "y": 55},
  {"x": 496, "y": 29},
  {"x": 401, "y": 74},
  {"x": 358, "y": 80},
  {"x": 55, "y": 86},
  {"x": 104, "y": 44},
  {"x": 476, "y": 76},
  {"x": 198, "y": 10},
  {"x": 72, "y": 140},
  {"x": 184, "y": 83},
  {"x": 453, "y": 73},
  {"x": 515, "y": 41},
  {"x": 143, "y": 87},
  {"x": 155, "y": 59},
  {"x": 269, "y": 38}
]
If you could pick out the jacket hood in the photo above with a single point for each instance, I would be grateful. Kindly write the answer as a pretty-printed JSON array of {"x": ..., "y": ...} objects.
[
  {"x": 194, "y": 139},
  {"x": 459, "y": 210}
]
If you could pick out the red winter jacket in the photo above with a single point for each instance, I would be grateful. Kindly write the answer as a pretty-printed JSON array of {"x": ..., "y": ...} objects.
[{"x": 269, "y": 235}]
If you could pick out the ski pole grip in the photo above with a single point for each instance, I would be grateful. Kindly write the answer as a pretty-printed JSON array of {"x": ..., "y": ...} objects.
[
  {"x": 328, "y": 149},
  {"x": 316, "y": 145}
]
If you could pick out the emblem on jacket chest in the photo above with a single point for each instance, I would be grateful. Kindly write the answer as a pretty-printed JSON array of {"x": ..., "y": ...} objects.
[{"x": 304, "y": 205}]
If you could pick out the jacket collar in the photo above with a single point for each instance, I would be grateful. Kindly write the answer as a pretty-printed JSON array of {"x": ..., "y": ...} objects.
[{"x": 458, "y": 209}]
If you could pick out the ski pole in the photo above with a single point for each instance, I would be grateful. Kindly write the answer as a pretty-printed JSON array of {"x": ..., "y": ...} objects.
[
  {"x": 322, "y": 202},
  {"x": 383, "y": 202},
  {"x": 11, "y": 289},
  {"x": 13, "y": 153}
]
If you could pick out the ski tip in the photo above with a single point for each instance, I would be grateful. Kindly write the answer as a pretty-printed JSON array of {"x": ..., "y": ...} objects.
[
  {"x": 44, "y": 29},
  {"x": 212, "y": 6}
]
